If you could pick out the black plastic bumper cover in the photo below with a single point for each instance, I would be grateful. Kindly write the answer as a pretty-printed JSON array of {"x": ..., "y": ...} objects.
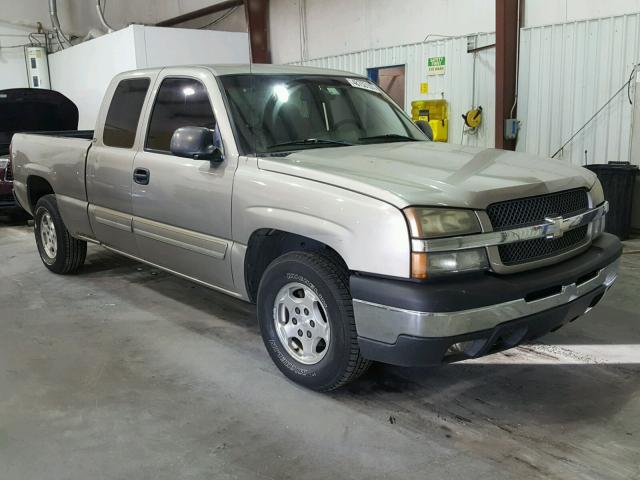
[
  {"x": 480, "y": 291},
  {"x": 419, "y": 351}
]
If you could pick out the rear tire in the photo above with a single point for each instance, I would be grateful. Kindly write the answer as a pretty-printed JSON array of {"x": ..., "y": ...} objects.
[
  {"x": 306, "y": 319},
  {"x": 59, "y": 251}
]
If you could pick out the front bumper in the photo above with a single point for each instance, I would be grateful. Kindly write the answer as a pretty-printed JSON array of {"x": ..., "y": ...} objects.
[{"x": 410, "y": 323}]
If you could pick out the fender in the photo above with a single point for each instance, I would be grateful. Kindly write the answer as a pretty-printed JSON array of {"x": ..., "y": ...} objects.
[{"x": 370, "y": 235}]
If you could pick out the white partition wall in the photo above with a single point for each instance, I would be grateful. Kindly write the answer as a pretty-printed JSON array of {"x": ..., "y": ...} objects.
[{"x": 84, "y": 71}]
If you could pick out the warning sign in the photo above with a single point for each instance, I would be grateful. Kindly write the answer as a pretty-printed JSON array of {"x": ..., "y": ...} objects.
[{"x": 436, "y": 66}]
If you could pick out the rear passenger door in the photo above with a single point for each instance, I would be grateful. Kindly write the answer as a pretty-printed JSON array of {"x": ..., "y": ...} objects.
[
  {"x": 182, "y": 206},
  {"x": 110, "y": 163}
]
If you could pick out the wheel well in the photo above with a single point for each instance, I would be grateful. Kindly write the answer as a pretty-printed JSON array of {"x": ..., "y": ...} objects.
[
  {"x": 37, "y": 187},
  {"x": 266, "y": 245}
]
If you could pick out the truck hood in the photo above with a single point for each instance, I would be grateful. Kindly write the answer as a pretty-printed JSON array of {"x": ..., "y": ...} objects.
[
  {"x": 33, "y": 110},
  {"x": 431, "y": 174}
]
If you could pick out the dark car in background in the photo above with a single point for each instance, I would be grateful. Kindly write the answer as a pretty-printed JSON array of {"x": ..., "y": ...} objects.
[{"x": 28, "y": 110}]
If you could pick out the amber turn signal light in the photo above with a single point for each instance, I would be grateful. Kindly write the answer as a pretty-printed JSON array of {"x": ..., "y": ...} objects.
[{"x": 419, "y": 266}]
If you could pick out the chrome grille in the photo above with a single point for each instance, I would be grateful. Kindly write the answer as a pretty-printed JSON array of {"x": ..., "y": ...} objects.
[
  {"x": 533, "y": 210},
  {"x": 514, "y": 253}
]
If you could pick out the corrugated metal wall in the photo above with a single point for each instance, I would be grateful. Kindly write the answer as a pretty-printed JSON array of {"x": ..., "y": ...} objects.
[
  {"x": 456, "y": 84},
  {"x": 567, "y": 72}
]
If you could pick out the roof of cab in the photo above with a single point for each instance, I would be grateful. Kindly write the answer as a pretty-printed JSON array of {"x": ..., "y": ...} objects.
[
  {"x": 239, "y": 69},
  {"x": 267, "y": 69}
]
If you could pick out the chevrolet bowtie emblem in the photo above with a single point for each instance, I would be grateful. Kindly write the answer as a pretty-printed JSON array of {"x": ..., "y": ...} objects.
[{"x": 553, "y": 227}]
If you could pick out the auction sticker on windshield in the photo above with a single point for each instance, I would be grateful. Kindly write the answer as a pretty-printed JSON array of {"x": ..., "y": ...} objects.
[{"x": 365, "y": 84}]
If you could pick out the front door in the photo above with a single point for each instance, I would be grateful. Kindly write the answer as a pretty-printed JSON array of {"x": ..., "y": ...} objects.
[{"x": 182, "y": 206}]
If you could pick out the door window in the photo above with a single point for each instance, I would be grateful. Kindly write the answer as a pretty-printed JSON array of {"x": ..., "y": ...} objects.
[
  {"x": 124, "y": 112},
  {"x": 181, "y": 102}
]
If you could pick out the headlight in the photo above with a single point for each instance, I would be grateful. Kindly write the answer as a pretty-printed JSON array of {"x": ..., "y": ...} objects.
[
  {"x": 441, "y": 222},
  {"x": 3, "y": 163},
  {"x": 428, "y": 222},
  {"x": 597, "y": 194}
]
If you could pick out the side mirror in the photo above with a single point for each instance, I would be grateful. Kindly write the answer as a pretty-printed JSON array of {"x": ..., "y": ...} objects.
[
  {"x": 426, "y": 128},
  {"x": 199, "y": 143}
]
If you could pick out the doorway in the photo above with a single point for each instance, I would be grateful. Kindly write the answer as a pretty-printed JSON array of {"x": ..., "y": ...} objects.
[{"x": 391, "y": 80}]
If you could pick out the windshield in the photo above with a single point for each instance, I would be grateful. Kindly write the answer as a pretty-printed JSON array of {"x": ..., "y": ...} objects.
[{"x": 280, "y": 113}]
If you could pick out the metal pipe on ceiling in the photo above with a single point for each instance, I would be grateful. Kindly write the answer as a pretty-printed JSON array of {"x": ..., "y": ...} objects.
[
  {"x": 218, "y": 7},
  {"x": 55, "y": 22},
  {"x": 103, "y": 21}
]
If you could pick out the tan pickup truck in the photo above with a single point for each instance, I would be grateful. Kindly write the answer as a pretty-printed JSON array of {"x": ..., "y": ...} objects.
[{"x": 312, "y": 194}]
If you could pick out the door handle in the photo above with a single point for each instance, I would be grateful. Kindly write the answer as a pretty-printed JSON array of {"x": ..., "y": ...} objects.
[{"x": 141, "y": 176}]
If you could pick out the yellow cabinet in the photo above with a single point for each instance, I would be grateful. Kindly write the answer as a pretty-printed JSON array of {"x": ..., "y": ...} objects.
[{"x": 436, "y": 112}]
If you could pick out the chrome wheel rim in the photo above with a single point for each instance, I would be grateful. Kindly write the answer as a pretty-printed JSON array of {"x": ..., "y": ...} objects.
[
  {"x": 48, "y": 236},
  {"x": 302, "y": 323}
]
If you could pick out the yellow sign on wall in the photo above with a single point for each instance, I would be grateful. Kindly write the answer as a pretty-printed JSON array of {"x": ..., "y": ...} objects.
[{"x": 424, "y": 88}]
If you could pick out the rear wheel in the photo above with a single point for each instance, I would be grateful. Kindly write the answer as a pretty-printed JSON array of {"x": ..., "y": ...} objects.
[
  {"x": 59, "y": 251},
  {"x": 306, "y": 319}
]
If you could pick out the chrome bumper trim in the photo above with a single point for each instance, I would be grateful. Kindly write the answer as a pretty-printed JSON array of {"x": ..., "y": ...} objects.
[
  {"x": 551, "y": 228},
  {"x": 384, "y": 323}
]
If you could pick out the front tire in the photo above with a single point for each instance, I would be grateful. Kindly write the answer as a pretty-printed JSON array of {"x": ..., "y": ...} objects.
[
  {"x": 306, "y": 319},
  {"x": 59, "y": 251}
]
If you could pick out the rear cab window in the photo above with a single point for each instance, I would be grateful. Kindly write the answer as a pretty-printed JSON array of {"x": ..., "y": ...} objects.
[
  {"x": 180, "y": 102},
  {"x": 122, "y": 119}
]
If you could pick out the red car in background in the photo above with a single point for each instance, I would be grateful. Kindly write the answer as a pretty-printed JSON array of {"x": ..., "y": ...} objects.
[{"x": 28, "y": 110}]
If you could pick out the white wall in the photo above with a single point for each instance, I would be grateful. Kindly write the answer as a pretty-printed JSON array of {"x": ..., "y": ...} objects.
[
  {"x": 545, "y": 12},
  {"x": 335, "y": 27},
  {"x": 567, "y": 72},
  {"x": 83, "y": 72},
  {"x": 78, "y": 16},
  {"x": 13, "y": 73},
  {"x": 180, "y": 46}
]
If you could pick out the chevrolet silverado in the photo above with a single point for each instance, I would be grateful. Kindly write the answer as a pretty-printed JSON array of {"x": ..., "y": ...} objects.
[{"x": 312, "y": 194}]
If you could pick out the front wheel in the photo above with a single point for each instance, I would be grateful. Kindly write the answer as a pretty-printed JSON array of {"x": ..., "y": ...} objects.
[
  {"x": 305, "y": 312},
  {"x": 59, "y": 251}
]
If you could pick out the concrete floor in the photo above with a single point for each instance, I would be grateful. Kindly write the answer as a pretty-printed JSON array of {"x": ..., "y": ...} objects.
[{"x": 125, "y": 372}]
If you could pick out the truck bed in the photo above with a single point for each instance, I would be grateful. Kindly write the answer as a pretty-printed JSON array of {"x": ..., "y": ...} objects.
[{"x": 59, "y": 157}]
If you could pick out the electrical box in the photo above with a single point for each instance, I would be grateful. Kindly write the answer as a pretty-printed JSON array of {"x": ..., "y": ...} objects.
[
  {"x": 37, "y": 67},
  {"x": 436, "y": 112},
  {"x": 511, "y": 128}
]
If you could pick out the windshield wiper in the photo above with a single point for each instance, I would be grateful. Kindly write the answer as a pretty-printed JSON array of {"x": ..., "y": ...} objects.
[
  {"x": 311, "y": 141},
  {"x": 390, "y": 136}
]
